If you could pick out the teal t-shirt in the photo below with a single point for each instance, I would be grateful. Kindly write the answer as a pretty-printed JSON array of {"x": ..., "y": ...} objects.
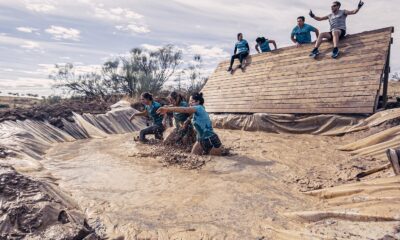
[
  {"x": 241, "y": 46},
  {"x": 265, "y": 46},
  {"x": 303, "y": 35},
  {"x": 202, "y": 123},
  {"x": 181, "y": 117},
  {"x": 152, "y": 112}
]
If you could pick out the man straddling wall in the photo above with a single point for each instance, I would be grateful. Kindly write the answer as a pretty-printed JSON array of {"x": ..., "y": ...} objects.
[{"x": 337, "y": 21}]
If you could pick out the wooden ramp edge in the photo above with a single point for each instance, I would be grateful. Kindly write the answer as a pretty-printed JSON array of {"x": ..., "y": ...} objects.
[{"x": 289, "y": 81}]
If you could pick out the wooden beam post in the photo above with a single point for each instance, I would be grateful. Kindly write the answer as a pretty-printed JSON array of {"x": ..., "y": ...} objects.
[{"x": 386, "y": 80}]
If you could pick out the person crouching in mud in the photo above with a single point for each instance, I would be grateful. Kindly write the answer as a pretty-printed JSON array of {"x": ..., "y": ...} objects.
[
  {"x": 207, "y": 141},
  {"x": 183, "y": 132},
  {"x": 150, "y": 109}
]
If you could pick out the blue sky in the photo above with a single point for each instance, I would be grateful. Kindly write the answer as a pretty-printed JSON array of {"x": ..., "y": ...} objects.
[{"x": 36, "y": 34}]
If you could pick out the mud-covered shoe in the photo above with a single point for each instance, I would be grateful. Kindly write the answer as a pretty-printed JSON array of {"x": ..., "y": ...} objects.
[
  {"x": 393, "y": 156},
  {"x": 335, "y": 52},
  {"x": 314, "y": 53}
]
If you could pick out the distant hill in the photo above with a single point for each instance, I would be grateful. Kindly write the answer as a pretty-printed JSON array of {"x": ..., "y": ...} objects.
[{"x": 14, "y": 102}]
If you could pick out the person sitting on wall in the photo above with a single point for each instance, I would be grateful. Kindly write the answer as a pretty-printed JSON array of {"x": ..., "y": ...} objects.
[
  {"x": 208, "y": 141},
  {"x": 241, "y": 51},
  {"x": 337, "y": 21},
  {"x": 263, "y": 44},
  {"x": 301, "y": 34},
  {"x": 150, "y": 109}
]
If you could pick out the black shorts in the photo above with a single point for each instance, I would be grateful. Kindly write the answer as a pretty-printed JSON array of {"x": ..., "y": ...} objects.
[
  {"x": 342, "y": 34},
  {"x": 210, "y": 143}
]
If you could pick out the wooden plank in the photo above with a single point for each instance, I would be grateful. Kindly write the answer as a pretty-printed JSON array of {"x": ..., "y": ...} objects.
[
  {"x": 224, "y": 97},
  {"x": 287, "y": 70},
  {"x": 299, "y": 83},
  {"x": 300, "y": 76},
  {"x": 359, "y": 110}
]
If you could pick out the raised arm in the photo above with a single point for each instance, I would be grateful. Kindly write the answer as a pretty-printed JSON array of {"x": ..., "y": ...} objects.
[
  {"x": 360, "y": 4},
  {"x": 273, "y": 43},
  {"x": 318, "y": 18}
]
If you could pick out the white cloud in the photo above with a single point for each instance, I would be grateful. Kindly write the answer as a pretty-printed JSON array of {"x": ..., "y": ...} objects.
[
  {"x": 26, "y": 29},
  {"x": 133, "y": 28},
  {"x": 117, "y": 14},
  {"x": 60, "y": 33},
  {"x": 6, "y": 69},
  {"x": 151, "y": 47},
  {"x": 207, "y": 52},
  {"x": 40, "y": 5},
  {"x": 126, "y": 19},
  {"x": 31, "y": 45}
]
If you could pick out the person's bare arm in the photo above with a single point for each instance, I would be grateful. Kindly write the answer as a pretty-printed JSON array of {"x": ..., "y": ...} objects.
[
  {"x": 360, "y": 4},
  {"x": 273, "y": 43},
  {"x": 164, "y": 110},
  {"x": 257, "y": 49},
  {"x": 318, "y": 18},
  {"x": 293, "y": 39},
  {"x": 139, "y": 114},
  {"x": 316, "y": 33}
]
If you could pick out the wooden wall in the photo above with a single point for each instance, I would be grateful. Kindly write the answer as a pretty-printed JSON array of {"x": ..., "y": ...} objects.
[{"x": 289, "y": 81}]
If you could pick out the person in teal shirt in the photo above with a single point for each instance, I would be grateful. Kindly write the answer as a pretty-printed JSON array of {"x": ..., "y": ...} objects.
[
  {"x": 241, "y": 51},
  {"x": 150, "y": 109},
  {"x": 208, "y": 141},
  {"x": 301, "y": 34},
  {"x": 183, "y": 133},
  {"x": 263, "y": 44}
]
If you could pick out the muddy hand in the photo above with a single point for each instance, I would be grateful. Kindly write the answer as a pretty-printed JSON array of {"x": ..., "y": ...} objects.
[
  {"x": 360, "y": 4},
  {"x": 311, "y": 14},
  {"x": 162, "y": 110}
]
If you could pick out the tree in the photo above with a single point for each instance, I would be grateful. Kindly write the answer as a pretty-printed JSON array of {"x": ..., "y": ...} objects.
[
  {"x": 196, "y": 81},
  {"x": 90, "y": 85},
  {"x": 142, "y": 70},
  {"x": 396, "y": 76}
]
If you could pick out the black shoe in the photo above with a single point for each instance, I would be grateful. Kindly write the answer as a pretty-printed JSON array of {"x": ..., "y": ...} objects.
[
  {"x": 335, "y": 52},
  {"x": 240, "y": 66},
  {"x": 229, "y": 69},
  {"x": 314, "y": 53}
]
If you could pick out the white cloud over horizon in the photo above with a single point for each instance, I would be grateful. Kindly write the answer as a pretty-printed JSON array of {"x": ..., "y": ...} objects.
[{"x": 62, "y": 33}]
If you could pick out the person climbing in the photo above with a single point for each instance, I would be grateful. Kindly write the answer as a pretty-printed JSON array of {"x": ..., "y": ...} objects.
[
  {"x": 263, "y": 44},
  {"x": 337, "y": 21},
  {"x": 301, "y": 34},
  {"x": 183, "y": 132},
  {"x": 150, "y": 109},
  {"x": 208, "y": 141},
  {"x": 241, "y": 51}
]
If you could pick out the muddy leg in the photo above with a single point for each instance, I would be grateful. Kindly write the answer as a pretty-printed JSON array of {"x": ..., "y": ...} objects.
[{"x": 197, "y": 149}]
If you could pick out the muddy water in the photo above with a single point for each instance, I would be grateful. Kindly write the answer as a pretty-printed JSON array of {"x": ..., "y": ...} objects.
[{"x": 232, "y": 197}]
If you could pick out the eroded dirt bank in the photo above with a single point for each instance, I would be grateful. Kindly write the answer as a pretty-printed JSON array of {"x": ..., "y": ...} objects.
[{"x": 254, "y": 194}]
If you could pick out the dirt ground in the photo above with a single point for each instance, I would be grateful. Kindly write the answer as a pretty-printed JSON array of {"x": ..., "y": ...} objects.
[{"x": 131, "y": 191}]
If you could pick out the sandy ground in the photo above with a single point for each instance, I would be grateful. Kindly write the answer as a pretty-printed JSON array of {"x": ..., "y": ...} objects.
[{"x": 128, "y": 193}]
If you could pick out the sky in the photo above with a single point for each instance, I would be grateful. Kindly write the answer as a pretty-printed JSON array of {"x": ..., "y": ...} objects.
[{"x": 36, "y": 34}]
